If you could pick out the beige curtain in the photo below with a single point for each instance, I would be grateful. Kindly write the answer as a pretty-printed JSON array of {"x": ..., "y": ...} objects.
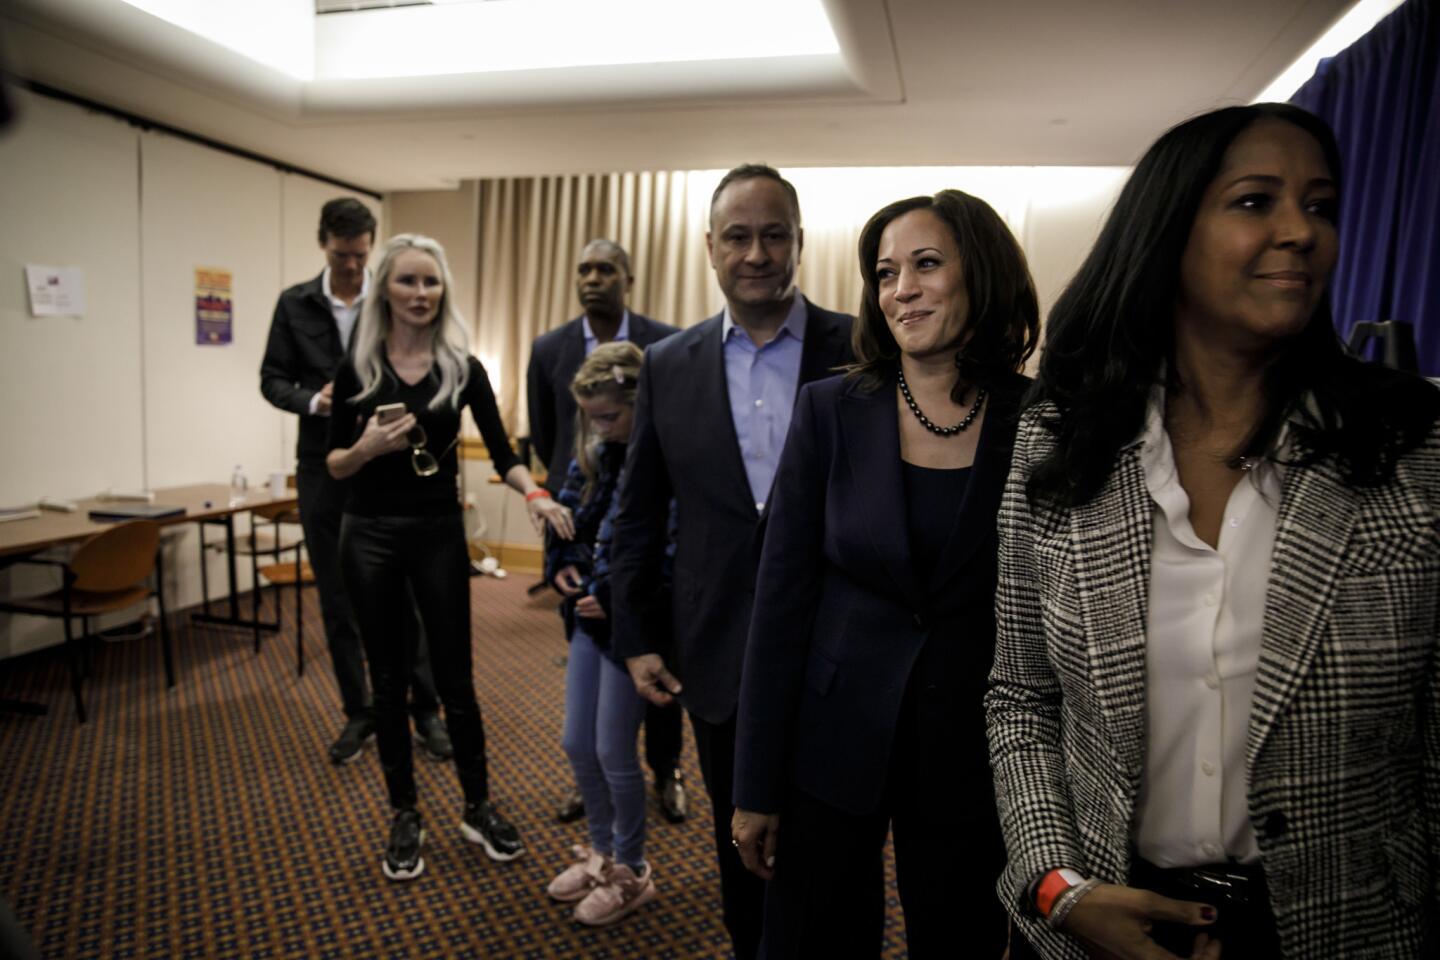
[{"x": 532, "y": 231}]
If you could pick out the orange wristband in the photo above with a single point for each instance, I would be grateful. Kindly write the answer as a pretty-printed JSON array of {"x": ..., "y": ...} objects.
[
  {"x": 1051, "y": 886},
  {"x": 541, "y": 494}
]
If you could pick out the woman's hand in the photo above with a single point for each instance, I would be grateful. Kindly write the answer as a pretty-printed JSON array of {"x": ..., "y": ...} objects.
[
  {"x": 545, "y": 511},
  {"x": 568, "y": 580},
  {"x": 589, "y": 608},
  {"x": 376, "y": 441},
  {"x": 1115, "y": 922},
  {"x": 754, "y": 836},
  {"x": 380, "y": 439}
]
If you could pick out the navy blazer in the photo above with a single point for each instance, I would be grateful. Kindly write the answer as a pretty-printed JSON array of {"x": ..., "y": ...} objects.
[
  {"x": 841, "y": 615},
  {"x": 683, "y": 445},
  {"x": 302, "y": 354},
  {"x": 554, "y": 358}
]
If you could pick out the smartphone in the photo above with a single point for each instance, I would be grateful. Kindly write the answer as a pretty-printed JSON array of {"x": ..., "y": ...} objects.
[{"x": 389, "y": 413}]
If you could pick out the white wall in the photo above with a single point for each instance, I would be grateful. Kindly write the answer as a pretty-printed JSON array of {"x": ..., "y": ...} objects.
[{"x": 124, "y": 397}]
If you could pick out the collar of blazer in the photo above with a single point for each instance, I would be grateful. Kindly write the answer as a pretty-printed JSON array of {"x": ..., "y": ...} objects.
[
  {"x": 1112, "y": 538},
  {"x": 871, "y": 432},
  {"x": 825, "y": 347}
]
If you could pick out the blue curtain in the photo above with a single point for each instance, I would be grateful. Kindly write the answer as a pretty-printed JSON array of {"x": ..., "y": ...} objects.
[{"x": 1381, "y": 95}]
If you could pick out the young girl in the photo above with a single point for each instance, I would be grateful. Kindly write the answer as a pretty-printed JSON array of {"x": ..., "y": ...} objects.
[{"x": 609, "y": 877}]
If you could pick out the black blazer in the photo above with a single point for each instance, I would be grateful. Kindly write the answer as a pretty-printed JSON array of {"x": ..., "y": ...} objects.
[
  {"x": 841, "y": 615},
  {"x": 301, "y": 356},
  {"x": 683, "y": 445},
  {"x": 554, "y": 358}
]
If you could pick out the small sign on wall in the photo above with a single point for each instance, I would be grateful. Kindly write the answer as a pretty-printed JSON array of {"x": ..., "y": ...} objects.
[
  {"x": 55, "y": 291},
  {"x": 214, "y": 311}
]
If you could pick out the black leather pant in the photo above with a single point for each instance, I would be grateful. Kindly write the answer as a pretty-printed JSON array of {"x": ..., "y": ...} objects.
[
  {"x": 379, "y": 556},
  {"x": 322, "y": 499}
]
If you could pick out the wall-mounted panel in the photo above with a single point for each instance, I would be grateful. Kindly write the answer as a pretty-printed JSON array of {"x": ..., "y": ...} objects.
[{"x": 70, "y": 398}]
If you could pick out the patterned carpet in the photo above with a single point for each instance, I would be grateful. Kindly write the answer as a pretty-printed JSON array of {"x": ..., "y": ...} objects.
[{"x": 207, "y": 822}]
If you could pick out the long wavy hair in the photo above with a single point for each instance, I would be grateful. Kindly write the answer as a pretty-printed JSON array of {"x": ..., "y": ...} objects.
[
  {"x": 1110, "y": 337},
  {"x": 611, "y": 371},
  {"x": 1004, "y": 319},
  {"x": 450, "y": 342}
]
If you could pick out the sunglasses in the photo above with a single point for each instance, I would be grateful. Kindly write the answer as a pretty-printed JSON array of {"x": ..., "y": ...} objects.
[{"x": 422, "y": 461}]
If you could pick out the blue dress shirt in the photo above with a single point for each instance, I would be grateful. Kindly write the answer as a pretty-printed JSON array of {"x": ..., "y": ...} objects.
[
  {"x": 592, "y": 341},
  {"x": 762, "y": 383}
]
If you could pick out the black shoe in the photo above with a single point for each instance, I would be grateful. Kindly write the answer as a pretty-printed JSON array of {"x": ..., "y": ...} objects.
[
  {"x": 572, "y": 808},
  {"x": 483, "y": 824},
  {"x": 430, "y": 733},
  {"x": 402, "y": 854},
  {"x": 674, "y": 805},
  {"x": 347, "y": 746}
]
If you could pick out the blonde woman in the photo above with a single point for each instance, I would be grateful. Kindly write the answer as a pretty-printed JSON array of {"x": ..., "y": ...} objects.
[
  {"x": 393, "y": 432},
  {"x": 609, "y": 877}
]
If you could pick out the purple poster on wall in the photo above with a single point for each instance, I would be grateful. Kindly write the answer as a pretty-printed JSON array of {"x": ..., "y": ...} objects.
[{"x": 214, "y": 311}]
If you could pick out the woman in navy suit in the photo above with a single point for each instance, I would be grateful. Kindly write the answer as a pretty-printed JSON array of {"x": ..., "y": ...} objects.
[{"x": 873, "y": 631}]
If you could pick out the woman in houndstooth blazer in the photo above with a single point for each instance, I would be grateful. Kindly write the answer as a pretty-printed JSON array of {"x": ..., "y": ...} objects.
[{"x": 1214, "y": 714}]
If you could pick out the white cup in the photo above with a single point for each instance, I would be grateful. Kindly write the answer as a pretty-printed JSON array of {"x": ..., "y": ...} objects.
[{"x": 277, "y": 484}]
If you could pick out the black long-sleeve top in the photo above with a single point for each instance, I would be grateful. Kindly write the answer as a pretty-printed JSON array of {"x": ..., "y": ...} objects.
[{"x": 388, "y": 485}]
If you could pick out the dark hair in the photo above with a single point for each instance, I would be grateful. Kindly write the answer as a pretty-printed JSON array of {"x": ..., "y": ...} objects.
[
  {"x": 345, "y": 217},
  {"x": 1004, "y": 319},
  {"x": 1111, "y": 332},
  {"x": 613, "y": 249},
  {"x": 752, "y": 171}
]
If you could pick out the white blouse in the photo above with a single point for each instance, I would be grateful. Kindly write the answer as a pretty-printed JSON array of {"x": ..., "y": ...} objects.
[{"x": 1202, "y": 644}]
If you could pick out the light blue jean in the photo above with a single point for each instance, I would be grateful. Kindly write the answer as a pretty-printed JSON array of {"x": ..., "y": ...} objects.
[{"x": 602, "y": 722}]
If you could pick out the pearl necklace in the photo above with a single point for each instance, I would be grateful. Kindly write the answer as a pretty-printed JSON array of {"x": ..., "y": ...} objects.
[{"x": 925, "y": 421}]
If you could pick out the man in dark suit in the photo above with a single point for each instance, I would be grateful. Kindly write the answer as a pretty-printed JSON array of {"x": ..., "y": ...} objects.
[
  {"x": 309, "y": 336},
  {"x": 711, "y": 416},
  {"x": 603, "y": 280}
]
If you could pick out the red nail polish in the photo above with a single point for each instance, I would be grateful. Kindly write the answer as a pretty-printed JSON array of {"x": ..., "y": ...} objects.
[{"x": 1207, "y": 913}]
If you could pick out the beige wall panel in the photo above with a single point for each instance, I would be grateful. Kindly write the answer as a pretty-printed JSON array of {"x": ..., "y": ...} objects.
[
  {"x": 69, "y": 387},
  {"x": 203, "y": 409}
]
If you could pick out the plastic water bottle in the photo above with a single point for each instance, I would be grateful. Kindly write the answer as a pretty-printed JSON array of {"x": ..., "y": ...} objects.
[{"x": 238, "y": 486}]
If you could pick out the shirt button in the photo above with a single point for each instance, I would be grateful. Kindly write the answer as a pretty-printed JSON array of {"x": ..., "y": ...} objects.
[
  {"x": 1207, "y": 768},
  {"x": 759, "y": 403},
  {"x": 1210, "y": 850},
  {"x": 1212, "y": 681},
  {"x": 1234, "y": 521},
  {"x": 1209, "y": 599}
]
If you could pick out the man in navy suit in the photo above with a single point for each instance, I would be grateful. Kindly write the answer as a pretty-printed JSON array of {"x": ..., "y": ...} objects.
[
  {"x": 713, "y": 409},
  {"x": 603, "y": 280}
]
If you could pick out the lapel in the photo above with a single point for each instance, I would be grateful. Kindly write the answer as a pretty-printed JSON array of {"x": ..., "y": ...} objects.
[
  {"x": 872, "y": 445},
  {"x": 325, "y": 319},
  {"x": 571, "y": 354},
  {"x": 820, "y": 351},
  {"x": 1112, "y": 538},
  {"x": 712, "y": 395},
  {"x": 975, "y": 520},
  {"x": 1312, "y": 530}
]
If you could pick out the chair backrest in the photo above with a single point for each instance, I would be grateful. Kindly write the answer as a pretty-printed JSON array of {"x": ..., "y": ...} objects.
[{"x": 117, "y": 558}]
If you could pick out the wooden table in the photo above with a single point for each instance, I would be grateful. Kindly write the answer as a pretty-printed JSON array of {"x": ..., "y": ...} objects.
[{"x": 204, "y": 503}]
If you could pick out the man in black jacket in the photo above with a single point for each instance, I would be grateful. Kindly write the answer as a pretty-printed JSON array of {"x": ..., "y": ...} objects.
[
  {"x": 711, "y": 415},
  {"x": 309, "y": 336},
  {"x": 603, "y": 280}
]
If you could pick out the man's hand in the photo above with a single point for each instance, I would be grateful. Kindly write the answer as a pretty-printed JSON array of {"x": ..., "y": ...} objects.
[
  {"x": 324, "y": 398},
  {"x": 652, "y": 680},
  {"x": 589, "y": 608},
  {"x": 568, "y": 581},
  {"x": 1115, "y": 921},
  {"x": 754, "y": 836}
]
